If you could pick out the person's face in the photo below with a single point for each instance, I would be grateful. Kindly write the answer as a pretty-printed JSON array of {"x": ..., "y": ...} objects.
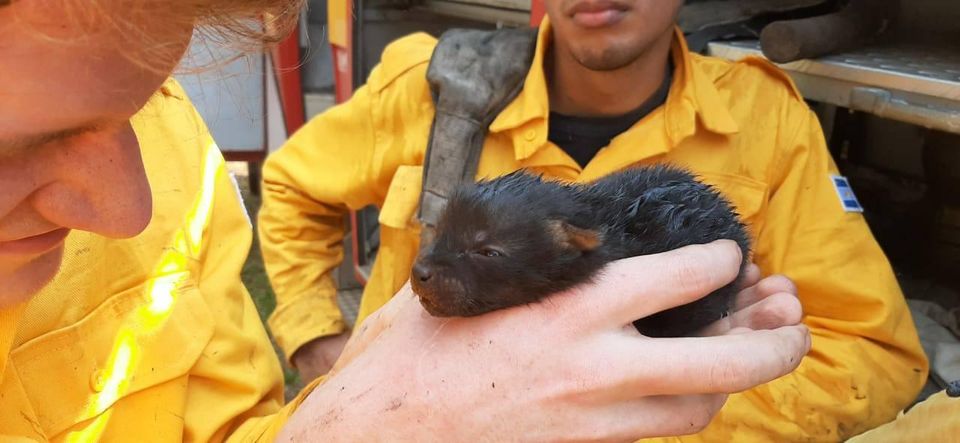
[
  {"x": 69, "y": 159},
  {"x": 604, "y": 35}
]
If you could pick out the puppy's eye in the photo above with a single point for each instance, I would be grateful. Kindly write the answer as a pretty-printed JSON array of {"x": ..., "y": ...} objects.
[{"x": 487, "y": 252}]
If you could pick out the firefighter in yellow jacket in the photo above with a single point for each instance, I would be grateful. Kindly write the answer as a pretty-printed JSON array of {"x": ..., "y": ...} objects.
[
  {"x": 612, "y": 85},
  {"x": 123, "y": 318}
]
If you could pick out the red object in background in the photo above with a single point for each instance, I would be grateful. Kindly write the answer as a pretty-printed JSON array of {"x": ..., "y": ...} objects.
[
  {"x": 286, "y": 66},
  {"x": 537, "y": 11},
  {"x": 342, "y": 73},
  {"x": 340, "y": 22},
  {"x": 341, "y": 14}
]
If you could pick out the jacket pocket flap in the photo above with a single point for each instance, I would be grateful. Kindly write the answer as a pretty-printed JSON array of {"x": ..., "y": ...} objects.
[{"x": 400, "y": 205}]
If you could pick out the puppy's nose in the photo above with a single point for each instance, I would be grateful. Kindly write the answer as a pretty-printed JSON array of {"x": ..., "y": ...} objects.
[{"x": 422, "y": 272}]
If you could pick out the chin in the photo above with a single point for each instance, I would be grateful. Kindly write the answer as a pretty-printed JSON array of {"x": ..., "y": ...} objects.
[
  {"x": 24, "y": 282},
  {"x": 608, "y": 57}
]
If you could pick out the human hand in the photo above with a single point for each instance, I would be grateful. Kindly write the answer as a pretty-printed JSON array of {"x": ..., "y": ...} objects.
[
  {"x": 764, "y": 303},
  {"x": 569, "y": 368},
  {"x": 317, "y": 357}
]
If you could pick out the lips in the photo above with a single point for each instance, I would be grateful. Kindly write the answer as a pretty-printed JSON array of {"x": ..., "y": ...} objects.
[
  {"x": 35, "y": 245},
  {"x": 598, "y": 14}
]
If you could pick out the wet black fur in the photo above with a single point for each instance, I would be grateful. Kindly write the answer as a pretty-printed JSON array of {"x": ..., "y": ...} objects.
[{"x": 638, "y": 211}]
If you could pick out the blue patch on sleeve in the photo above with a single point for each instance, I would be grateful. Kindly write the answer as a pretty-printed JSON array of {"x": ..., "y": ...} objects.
[{"x": 845, "y": 193}]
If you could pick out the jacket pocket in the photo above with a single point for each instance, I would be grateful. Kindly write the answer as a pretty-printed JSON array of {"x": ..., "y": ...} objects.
[
  {"x": 748, "y": 196},
  {"x": 136, "y": 339}
]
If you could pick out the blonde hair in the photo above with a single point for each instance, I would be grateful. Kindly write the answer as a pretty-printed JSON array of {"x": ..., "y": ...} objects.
[
  {"x": 240, "y": 20},
  {"x": 245, "y": 25}
]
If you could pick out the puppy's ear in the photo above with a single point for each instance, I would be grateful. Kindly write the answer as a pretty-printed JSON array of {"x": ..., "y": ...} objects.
[{"x": 572, "y": 237}]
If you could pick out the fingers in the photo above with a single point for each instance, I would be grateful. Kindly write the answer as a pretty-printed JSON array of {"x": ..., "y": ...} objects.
[
  {"x": 762, "y": 289},
  {"x": 725, "y": 364},
  {"x": 751, "y": 276},
  {"x": 636, "y": 287},
  {"x": 752, "y": 310},
  {"x": 777, "y": 310},
  {"x": 782, "y": 309}
]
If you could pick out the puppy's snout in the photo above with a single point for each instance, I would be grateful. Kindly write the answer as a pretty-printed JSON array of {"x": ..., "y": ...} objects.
[{"x": 422, "y": 272}]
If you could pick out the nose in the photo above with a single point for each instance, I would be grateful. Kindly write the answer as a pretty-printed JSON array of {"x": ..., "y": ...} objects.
[
  {"x": 422, "y": 272},
  {"x": 98, "y": 184}
]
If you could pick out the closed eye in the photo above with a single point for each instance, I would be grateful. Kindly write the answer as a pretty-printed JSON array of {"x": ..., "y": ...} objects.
[{"x": 489, "y": 252}]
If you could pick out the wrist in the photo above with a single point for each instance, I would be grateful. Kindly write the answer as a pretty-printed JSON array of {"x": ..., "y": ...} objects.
[
  {"x": 327, "y": 412},
  {"x": 314, "y": 346},
  {"x": 350, "y": 405}
]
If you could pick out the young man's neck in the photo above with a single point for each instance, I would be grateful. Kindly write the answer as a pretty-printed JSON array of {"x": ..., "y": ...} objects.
[{"x": 578, "y": 91}]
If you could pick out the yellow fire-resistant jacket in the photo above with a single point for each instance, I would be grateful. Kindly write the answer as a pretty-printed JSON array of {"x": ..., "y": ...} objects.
[
  {"x": 151, "y": 339},
  {"x": 742, "y": 127}
]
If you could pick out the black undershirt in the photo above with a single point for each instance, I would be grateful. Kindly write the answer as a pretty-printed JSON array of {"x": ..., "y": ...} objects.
[{"x": 582, "y": 137}]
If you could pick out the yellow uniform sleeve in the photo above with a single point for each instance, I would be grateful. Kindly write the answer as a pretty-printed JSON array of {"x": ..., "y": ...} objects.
[
  {"x": 866, "y": 363},
  {"x": 337, "y": 162},
  {"x": 308, "y": 187}
]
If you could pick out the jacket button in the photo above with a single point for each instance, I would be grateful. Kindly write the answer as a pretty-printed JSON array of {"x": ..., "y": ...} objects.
[
  {"x": 97, "y": 380},
  {"x": 530, "y": 135}
]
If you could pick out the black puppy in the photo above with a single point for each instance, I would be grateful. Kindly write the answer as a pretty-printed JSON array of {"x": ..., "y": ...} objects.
[{"x": 516, "y": 239}]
